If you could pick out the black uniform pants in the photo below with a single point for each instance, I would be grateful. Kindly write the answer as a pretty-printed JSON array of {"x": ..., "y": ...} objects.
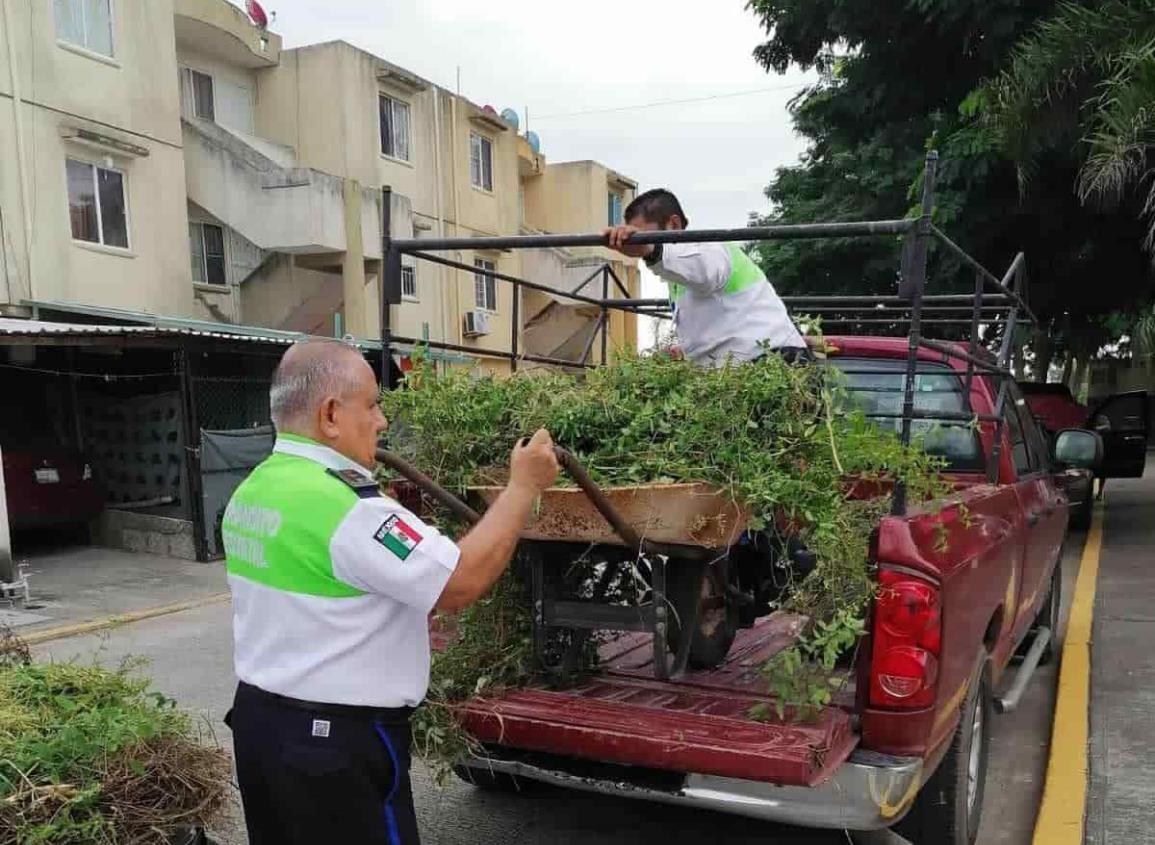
[{"x": 312, "y": 773}]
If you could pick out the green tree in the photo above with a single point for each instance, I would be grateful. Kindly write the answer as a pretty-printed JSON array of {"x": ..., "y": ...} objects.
[
  {"x": 1084, "y": 79},
  {"x": 897, "y": 77}
]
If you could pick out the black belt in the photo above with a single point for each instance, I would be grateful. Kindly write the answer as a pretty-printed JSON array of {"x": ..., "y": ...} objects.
[
  {"x": 390, "y": 715},
  {"x": 790, "y": 354},
  {"x": 795, "y": 354}
]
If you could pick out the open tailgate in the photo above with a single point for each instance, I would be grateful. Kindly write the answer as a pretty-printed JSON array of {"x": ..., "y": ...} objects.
[{"x": 698, "y": 723}]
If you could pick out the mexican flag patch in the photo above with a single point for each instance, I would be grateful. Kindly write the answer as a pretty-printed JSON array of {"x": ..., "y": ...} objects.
[{"x": 397, "y": 536}]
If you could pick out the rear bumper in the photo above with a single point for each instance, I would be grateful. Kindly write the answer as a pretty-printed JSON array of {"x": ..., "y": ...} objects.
[{"x": 868, "y": 792}]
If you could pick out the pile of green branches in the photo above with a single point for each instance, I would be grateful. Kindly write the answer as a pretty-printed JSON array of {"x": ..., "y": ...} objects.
[
  {"x": 89, "y": 755},
  {"x": 767, "y": 432}
]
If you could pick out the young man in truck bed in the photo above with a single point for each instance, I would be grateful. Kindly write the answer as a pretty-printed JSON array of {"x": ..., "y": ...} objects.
[{"x": 724, "y": 306}]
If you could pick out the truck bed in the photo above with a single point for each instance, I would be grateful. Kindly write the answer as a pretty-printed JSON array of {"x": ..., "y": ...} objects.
[{"x": 699, "y": 722}]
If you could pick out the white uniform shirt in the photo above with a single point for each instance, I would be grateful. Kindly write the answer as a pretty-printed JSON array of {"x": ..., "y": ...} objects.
[
  {"x": 713, "y": 326},
  {"x": 370, "y": 649}
]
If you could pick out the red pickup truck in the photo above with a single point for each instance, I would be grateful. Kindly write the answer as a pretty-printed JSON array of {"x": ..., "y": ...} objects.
[{"x": 905, "y": 744}]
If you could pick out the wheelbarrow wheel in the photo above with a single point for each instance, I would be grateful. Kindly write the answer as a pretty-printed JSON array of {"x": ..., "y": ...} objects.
[{"x": 717, "y": 622}]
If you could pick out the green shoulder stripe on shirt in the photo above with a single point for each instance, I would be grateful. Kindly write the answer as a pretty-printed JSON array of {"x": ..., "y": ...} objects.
[
  {"x": 280, "y": 522},
  {"x": 744, "y": 273}
]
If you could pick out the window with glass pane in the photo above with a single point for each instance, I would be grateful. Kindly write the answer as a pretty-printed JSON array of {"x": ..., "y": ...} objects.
[
  {"x": 85, "y": 23},
  {"x": 202, "y": 90},
  {"x": 82, "y": 202},
  {"x": 876, "y": 388},
  {"x": 207, "y": 248},
  {"x": 196, "y": 248},
  {"x": 485, "y": 286},
  {"x": 113, "y": 215},
  {"x": 409, "y": 282},
  {"x": 614, "y": 209},
  {"x": 96, "y": 204},
  {"x": 394, "y": 120},
  {"x": 480, "y": 161},
  {"x": 214, "y": 254},
  {"x": 401, "y": 130}
]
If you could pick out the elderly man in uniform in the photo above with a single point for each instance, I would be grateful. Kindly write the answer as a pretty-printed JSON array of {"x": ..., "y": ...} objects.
[
  {"x": 332, "y": 587},
  {"x": 725, "y": 309}
]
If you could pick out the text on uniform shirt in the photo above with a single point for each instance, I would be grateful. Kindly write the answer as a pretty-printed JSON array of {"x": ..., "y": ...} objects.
[{"x": 244, "y": 529}]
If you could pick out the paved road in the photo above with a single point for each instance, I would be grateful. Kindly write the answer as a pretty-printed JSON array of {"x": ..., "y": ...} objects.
[{"x": 190, "y": 660}]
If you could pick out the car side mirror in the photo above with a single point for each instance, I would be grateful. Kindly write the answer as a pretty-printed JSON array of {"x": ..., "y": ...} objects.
[{"x": 1077, "y": 447}]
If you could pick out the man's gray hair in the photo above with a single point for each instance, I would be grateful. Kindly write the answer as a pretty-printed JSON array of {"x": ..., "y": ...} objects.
[{"x": 309, "y": 372}]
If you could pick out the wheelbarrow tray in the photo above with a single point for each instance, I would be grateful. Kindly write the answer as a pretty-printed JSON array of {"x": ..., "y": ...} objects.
[{"x": 677, "y": 514}]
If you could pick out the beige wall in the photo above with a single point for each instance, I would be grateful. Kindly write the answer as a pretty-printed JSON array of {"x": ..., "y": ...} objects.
[
  {"x": 285, "y": 295},
  {"x": 314, "y": 108},
  {"x": 573, "y": 197},
  {"x": 323, "y": 101},
  {"x": 225, "y": 75},
  {"x": 132, "y": 98}
]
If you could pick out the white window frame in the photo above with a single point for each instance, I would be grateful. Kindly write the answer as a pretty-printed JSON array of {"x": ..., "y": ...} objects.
[
  {"x": 484, "y": 284},
  {"x": 613, "y": 198},
  {"x": 394, "y": 102},
  {"x": 409, "y": 283},
  {"x": 94, "y": 167},
  {"x": 85, "y": 47},
  {"x": 479, "y": 142},
  {"x": 190, "y": 81},
  {"x": 224, "y": 284}
]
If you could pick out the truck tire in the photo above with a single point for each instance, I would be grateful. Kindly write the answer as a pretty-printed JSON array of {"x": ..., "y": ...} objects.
[
  {"x": 949, "y": 807},
  {"x": 717, "y": 623},
  {"x": 1081, "y": 518}
]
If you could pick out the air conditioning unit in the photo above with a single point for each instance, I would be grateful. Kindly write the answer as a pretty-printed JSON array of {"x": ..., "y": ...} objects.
[{"x": 476, "y": 323}]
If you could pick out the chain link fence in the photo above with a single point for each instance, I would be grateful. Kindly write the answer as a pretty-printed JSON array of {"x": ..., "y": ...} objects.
[{"x": 228, "y": 403}]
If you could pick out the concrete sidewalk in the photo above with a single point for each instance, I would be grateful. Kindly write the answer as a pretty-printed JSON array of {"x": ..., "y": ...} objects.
[
  {"x": 1121, "y": 800},
  {"x": 76, "y": 583}
]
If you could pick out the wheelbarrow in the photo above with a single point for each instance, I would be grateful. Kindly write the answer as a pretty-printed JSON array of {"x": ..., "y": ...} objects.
[{"x": 674, "y": 537}]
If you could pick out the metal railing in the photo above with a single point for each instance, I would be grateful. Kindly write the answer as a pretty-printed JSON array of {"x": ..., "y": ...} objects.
[{"x": 997, "y": 301}]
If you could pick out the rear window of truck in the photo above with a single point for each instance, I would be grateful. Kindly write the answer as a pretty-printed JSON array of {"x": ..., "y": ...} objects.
[{"x": 876, "y": 386}]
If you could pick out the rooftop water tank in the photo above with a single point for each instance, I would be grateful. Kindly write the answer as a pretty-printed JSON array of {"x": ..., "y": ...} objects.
[
  {"x": 534, "y": 141},
  {"x": 510, "y": 117}
]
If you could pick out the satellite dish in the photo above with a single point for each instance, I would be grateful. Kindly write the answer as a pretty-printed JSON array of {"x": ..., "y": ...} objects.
[
  {"x": 534, "y": 141},
  {"x": 257, "y": 14},
  {"x": 510, "y": 117}
]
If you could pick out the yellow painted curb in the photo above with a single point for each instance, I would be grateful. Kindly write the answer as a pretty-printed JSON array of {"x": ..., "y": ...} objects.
[
  {"x": 1062, "y": 814},
  {"x": 87, "y": 627}
]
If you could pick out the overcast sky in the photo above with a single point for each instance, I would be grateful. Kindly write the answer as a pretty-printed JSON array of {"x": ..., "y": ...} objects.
[{"x": 557, "y": 59}]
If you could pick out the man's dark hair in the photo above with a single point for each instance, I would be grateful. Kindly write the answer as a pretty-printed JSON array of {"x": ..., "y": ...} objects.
[{"x": 657, "y": 206}]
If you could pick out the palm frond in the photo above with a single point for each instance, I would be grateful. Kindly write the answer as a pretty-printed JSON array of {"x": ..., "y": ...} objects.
[
  {"x": 1143, "y": 341},
  {"x": 1121, "y": 135},
  {"x": 1041, "y": 99}
]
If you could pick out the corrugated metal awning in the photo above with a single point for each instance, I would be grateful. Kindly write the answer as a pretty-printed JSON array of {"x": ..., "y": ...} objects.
[{"x": 153, "y": 325}]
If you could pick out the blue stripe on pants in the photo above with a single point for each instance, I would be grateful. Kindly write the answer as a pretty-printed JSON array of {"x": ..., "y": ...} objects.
[{"x": 390, "y": 819}]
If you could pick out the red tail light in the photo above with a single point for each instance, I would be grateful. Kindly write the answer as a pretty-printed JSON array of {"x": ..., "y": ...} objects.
[{"x": 907, "y": 637}]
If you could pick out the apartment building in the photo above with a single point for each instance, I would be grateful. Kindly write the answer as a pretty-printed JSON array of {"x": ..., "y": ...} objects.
[
  {"x": 168, "y": 157},
  {"x": 92, "y": 207}
]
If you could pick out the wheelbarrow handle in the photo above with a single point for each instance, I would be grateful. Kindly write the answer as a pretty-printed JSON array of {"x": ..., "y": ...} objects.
[
  {"x": 428, "y": 485},
  {"x": 571, "y": 465},
  {"x": 588, "y": 486}
]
